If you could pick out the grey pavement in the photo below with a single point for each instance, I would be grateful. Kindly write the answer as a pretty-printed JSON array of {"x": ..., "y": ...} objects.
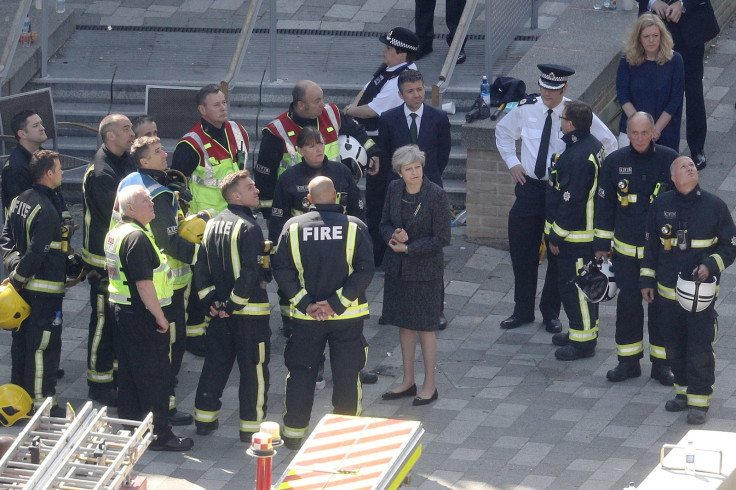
[{"x": 509, "y": 415}]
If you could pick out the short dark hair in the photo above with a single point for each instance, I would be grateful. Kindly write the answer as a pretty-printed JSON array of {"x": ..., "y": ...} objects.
[
  {"x": 409, "y": 76},
  {"x": 210, "y": 89},
  {"x": 579, "y": 114},
  {"x": 141, "y": 148},
  {"x": 230, "y": 181},
  {"x": 308, "y": 136},
  {"x": 138, "y": 120},
  {"x": 20, "y": 121},
  {"x": 41, "y": 162},
  {"x": 410, "y": 55}
]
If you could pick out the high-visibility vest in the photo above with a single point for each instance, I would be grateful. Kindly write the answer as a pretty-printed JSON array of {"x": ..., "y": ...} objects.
[
  {"x": 119, "y": 287},
  {"x": 215, "y": 163},
  {"x": 284, "y": 128},
  {"x": 181, "y": 271}
]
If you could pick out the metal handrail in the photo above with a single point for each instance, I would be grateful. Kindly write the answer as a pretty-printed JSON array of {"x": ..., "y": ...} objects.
[
  {"x": 12, "y": 43},
  {"x": 451, "y": 59},
  {"x": 242, "y": 45}
]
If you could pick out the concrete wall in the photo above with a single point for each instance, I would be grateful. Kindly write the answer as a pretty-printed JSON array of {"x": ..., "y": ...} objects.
[{"x": 490, "y": 188}]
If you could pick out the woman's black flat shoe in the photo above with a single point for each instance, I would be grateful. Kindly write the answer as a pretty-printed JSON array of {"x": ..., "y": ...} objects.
[
  {"x": 419, "y": 401},
  {"x": 393, "y": 395}
]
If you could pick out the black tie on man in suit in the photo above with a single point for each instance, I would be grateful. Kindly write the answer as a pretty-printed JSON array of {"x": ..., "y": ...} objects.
[{"x": 413, "y": 128}]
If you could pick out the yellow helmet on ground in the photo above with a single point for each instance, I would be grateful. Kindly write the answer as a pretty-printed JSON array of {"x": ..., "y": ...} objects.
[
  {"x": 13, "y": 308},
  {"x": 15, "y": 404}
]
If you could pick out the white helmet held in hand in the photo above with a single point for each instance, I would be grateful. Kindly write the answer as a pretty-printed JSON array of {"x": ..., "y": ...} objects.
[
  {"x": 606, "y": 268},
  {"x": 695, "y": 296},
  {"x": 353, "y": 155}
]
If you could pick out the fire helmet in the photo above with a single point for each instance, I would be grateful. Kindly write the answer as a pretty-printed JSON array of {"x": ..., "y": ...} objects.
[
  {"x": 606, "y": 268},
  {"x": 592, "y": 282},
  {"x": 15, "y": 404},
  {"x": 695, "y": 296},
  {"x": 13, "y": 308},
  {"x": 353, "y": 155}
]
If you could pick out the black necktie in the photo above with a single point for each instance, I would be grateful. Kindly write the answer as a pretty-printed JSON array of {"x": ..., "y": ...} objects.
[
  {"x": 541, "y": 166},
  {"x": 413, "y": 128}
]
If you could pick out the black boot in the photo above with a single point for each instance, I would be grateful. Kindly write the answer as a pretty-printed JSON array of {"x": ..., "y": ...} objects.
[
  {"x": 624, "y": 371},
  {"x": 662, "y": 373}
]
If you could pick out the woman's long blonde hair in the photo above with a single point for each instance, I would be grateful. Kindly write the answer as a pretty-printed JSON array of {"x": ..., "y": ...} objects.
[{"x": 634, "y": 51}]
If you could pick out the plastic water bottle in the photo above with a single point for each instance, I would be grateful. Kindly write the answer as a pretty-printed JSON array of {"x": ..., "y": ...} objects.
[
  {"x": 631, "y": 485},
  {"x": 25, "y": 33},
  {"x": 485, "y": 91},
  {"x": 609, "y": 4},
  {"x": 459, "y": 219},
  {"x": 690, "y": 458},
  {"x": 60, "y": 6},
  {"x": 58, "y": 320}
]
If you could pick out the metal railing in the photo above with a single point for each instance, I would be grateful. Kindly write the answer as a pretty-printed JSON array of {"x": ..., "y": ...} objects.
[
  {"x": 451, "y": 60},
  {"x": 241, "y": 47}
]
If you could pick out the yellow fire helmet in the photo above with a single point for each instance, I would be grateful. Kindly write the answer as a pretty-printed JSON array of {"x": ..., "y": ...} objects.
[
  {"x": 13, "y": 308},
  {"x": 15, "y": 404}
]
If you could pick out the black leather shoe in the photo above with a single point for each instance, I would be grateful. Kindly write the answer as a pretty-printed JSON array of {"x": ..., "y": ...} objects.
[
  {"x": 443, "y": 322},
  {"x": 553, "y": 326},
  {"x": 172, "y": 443},
  {"x": 195, "y": 345},
  {"x": 572, "y": 353},
  {"x": 60, "y": 373},
  {"x": 207, "y": 428},
  {"x": 461, "y": 57},
  {"x": 105, "y": 395},
  {"x": 395, "y": 395},
  {"x": 561, "y": 339},
  {"x": 696, "y": 415},
  {"x": 663, "y": 374},
  {"x": 180, "y": 418},
  {"x": 700, "y": 160},
  {"x": 624, "y": 371},
  {"x": 368, "y": 377},
  {"x": 515, "y": 322},
  {"x": 419, "y": 401},
  {"x": 676, "y": 404},
  {"x": 57, "y": 411},
  {"x": 293, "y": 443},
  {"x": 246, "y": 436}
]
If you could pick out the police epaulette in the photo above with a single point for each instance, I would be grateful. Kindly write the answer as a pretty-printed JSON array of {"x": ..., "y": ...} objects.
[{"x": 529, "y": 99}]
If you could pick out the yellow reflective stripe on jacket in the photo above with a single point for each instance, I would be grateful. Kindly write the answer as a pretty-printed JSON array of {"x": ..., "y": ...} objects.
[
  {"x": 719, "y": 262},
  {"x": 204, "y": 292},
  {"x": 646, "y": 272},
  {"x": 254, "y": 309},
  {"x": 547, "y": 227},
  {"x": 10, "y": 257},
  {"x": 291, "y": 157},
  {"x": 631, "y": 197},
  {"x": 606, "y": 234},
  {"x": 350, "y": 246},
  {"x": 666, "y": 293},
  {"x": 296, "y": 254},
  {"x": 626, "y": 249},
  {"x": 575, "y": 236},
  {"x": 55, "y": 245},
  {"x": 703, "y": 243},
  {"x": 355, "y": 311},
  {"x": 41, "y": 286}
]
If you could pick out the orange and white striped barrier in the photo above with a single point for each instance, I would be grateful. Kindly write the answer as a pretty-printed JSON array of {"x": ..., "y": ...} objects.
[{"x": 355, "y": 453}]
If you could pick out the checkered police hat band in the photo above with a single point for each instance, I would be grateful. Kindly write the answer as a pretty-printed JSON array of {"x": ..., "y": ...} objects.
[{"x": 399, "y": 44}]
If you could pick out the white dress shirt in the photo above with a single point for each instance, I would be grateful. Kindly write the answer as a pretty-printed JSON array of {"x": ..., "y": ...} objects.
[
  {"x": 388, "y": 97},
  {"x": 527, "y": 122}
]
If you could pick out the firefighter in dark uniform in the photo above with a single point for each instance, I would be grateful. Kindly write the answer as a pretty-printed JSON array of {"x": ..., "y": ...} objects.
[
  {"x": 278, "y": 148},
  {"x": 328, "y": 305},
  {"x": 689, "y": 232},
  {"x": 110, "y": 164},
  {"x": 232, "y": 273},
  {"x": 150, "y": 158},
  {"x": 569, "y": 226},
  {"x": 211, "y": 150},
  {"x": 32, "y": 247},
  {"x": 139, "y": 288},
  {"x": 379, "y": 95},
  {"x": 630, "y": 180},
  {"x": 536, "y": 123}
]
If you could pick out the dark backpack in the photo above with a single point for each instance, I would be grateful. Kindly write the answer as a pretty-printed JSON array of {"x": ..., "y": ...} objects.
[{"x": 507, "y": 89}]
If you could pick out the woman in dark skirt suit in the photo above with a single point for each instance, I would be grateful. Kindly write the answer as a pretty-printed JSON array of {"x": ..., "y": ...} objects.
[{"x": 416, "y": 225}]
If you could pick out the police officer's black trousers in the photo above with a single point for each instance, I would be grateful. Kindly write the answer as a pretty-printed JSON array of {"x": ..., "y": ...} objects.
[
  {"x": 526, "y": 226},
  {"x": 176, "y": 313},
  {"x": 375, "y": 196},
  {"x": 36, "y": 349},
  {"x": 100, "y": 345},
  {"x": 630, "y": 315},
  {"x": 348, "y": 354},
  {"x": 247, "y": 339},
  {"x": 583, "y": 316},
  {"x": 144, "y": 369},
  {"x": 689, "y": 341}
]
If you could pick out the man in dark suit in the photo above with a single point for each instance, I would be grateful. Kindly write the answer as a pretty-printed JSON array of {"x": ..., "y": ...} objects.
[
  {"x": 415, "y": 123},
  {"x": 692, "y": 23}
]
